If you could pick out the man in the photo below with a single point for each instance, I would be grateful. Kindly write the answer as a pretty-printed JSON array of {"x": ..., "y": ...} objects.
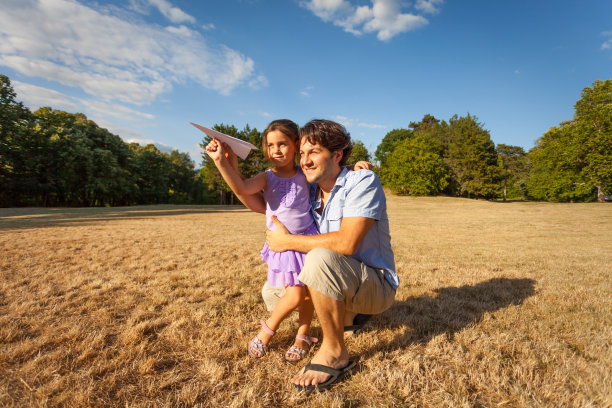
[{"x": 350, "y": 268}]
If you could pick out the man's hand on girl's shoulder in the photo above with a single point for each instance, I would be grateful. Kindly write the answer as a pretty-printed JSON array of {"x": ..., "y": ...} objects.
[{"x": 361, "y": 165}]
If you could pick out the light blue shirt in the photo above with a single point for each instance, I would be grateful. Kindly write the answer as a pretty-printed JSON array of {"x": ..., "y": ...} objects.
[{"x": 359, "y": 194}]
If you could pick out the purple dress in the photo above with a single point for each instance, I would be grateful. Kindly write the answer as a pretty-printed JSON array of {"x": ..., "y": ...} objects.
[{"x": 288, "y": 199}]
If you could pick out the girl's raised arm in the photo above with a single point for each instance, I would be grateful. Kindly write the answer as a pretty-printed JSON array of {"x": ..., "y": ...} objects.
[{"x": 239, "y": 185}]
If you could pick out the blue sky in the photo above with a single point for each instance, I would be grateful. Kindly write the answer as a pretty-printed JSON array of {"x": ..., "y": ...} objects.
[{"x": 144, "y": 69}]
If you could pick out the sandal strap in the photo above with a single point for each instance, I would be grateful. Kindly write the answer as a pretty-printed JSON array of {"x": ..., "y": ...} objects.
[
  {"x": 257, "y": 345},
  {"x": 265, "y": 328},
  {"x": 309, "y": 340},
  {"x": 323, "y": 369},
  {"x": 296, "y": 350}
]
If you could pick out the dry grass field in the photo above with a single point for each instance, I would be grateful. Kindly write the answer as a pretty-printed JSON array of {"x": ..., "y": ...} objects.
[{"x": 500, "y": 305}]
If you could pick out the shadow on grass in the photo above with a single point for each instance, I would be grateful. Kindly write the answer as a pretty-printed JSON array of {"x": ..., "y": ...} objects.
[
  {"x": 420, "y": 319},
  {"x": 17, "y": 218}
]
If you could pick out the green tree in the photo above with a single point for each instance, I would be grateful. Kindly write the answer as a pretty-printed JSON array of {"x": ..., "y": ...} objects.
[
  {"x": 427, "y": 123},
  {"x": 514, "y": 165},
  {"x": 80, "y": 163},
  {"x": 388, "y": 143},
  {"x": 64, "y": 156},
  {"x": 17, "y": 138},
  {"x": 359, "y": 153},
  {"x": 593, "y": 121},
  {"x": 182, "y": 178},
  {"x": 573, "y": 161},
  {"x": 52, "y": 157},
  {"x": 415, "y": 168},
  {"x": 555, "y": 172},
  {"x": 152, "y": 174},
  {"x": 472, "y": 159}
]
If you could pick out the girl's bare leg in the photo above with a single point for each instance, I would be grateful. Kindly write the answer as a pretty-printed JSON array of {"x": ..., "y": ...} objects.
[
  {"x": 292, "y": 299},
  {"x": 306, "y": 310}
]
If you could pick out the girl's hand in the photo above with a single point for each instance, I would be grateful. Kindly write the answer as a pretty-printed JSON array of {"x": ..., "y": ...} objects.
[
  {"x": 214, "y": 149},
  {"x": 276, "y": 238},
  {"x": 231, "y": 156}
]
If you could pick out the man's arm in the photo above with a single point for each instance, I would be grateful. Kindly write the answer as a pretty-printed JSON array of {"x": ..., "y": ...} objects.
[{"x": 344, "y": 241}]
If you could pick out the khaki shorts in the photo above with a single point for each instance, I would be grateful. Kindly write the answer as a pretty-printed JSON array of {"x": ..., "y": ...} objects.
[{"x": 362, "y": 288}]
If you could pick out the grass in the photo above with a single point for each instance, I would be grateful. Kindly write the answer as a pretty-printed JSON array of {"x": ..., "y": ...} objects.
[{"x": 500, "y": 305}]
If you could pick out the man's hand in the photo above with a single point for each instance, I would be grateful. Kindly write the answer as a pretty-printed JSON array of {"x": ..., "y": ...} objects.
[
  {"x": 362, "y": 165},
  {"x": 277, "y": 238}
]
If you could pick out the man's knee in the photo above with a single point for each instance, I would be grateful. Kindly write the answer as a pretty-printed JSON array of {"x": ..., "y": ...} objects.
[
  {"x": 320, "y": 256},
  {"x": 330, "y": 273}
]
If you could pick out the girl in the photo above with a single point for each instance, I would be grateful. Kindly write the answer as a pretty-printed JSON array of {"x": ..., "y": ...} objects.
[{"x": 286, "y": 195}]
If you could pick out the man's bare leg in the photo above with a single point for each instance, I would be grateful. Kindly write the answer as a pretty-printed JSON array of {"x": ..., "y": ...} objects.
[
  {"x": 348, "y": 321},
  {"x": 333, "y": 352}
]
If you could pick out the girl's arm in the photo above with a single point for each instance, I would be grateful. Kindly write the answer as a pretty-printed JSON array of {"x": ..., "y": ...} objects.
[
  {"x": 254, "y": 202},
  {"x": 247, "y": 190}
]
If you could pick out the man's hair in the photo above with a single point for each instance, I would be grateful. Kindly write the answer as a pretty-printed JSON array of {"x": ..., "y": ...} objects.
[
  {"x": 331, "y": 135},
  {"x": 286, "y": 127}
]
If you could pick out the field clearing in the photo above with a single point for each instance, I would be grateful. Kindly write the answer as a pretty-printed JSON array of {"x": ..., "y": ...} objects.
[{"x": 500, "y": 305}]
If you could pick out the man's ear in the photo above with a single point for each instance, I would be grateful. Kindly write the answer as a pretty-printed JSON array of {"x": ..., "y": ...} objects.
[{"x": 338, "y": 156}]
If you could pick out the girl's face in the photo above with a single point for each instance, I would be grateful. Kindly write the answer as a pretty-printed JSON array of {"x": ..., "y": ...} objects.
[{"x": 281, "y": 149}]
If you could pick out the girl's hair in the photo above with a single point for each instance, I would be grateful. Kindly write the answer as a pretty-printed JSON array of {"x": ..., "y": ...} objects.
[
  {"x": 286, "y": 127},
  {"x": 331, "y": 135}
]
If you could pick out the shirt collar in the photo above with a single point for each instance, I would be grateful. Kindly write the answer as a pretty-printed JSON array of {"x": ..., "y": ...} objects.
[
  {"x": 314, "y": 188},
  {"x": 341, "y": 179}
]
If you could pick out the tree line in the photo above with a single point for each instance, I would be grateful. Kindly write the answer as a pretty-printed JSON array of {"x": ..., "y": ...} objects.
[
  {"x": 570, "y": 162},
  {"x": 55, "y": 158}
]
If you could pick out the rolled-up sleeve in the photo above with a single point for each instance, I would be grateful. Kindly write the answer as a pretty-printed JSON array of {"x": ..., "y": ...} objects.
[{"x": 365, "y": 196}]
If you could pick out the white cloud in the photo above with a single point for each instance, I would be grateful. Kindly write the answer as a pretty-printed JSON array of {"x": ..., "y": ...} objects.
[
  {"x": 174, "y": 14},
  {"x": 123, "y": 132},
  {"x": 388, "y": 20},
  {"x": 429, "y": 6},
  {"x": 306, "y": 91},
  {"x": 350, "y": 122},
  {"x": 35, "y": 97},
  {"x": 385, "y": 17},
  {"x": 182, "y": 30},
  {"x": 208, "y": 27},
  {"x": 607, "y": 45},
  {"x": 344, "y": 121},
  {"x": 371, "y": 125},
  {"x": 196, "y": 154},
  {"x": 111, "y": 57},
  {"x": 258, "y": 82},
  {"x": 329, "y": 10},
  {"x": 99, "y": 108}
]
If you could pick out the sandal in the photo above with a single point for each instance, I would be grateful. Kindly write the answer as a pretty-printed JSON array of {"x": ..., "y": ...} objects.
[
  {"x": 358, "y": 322},
  {"x": 257, "y": 348},
  {"x": 298, "y": 350},
  {"x": 335, "y": 376}
]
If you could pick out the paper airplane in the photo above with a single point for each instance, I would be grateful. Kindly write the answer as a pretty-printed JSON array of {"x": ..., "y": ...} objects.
[{"x": 240, "y": 147}]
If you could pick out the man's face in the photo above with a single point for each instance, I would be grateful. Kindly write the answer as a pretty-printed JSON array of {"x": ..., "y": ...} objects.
[{"x": 319, "y": 164}]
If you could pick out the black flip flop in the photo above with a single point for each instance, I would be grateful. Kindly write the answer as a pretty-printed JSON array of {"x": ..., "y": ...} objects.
[
  {"x": 336, "y": 375},
  {"x": 358, "y": 323}
]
